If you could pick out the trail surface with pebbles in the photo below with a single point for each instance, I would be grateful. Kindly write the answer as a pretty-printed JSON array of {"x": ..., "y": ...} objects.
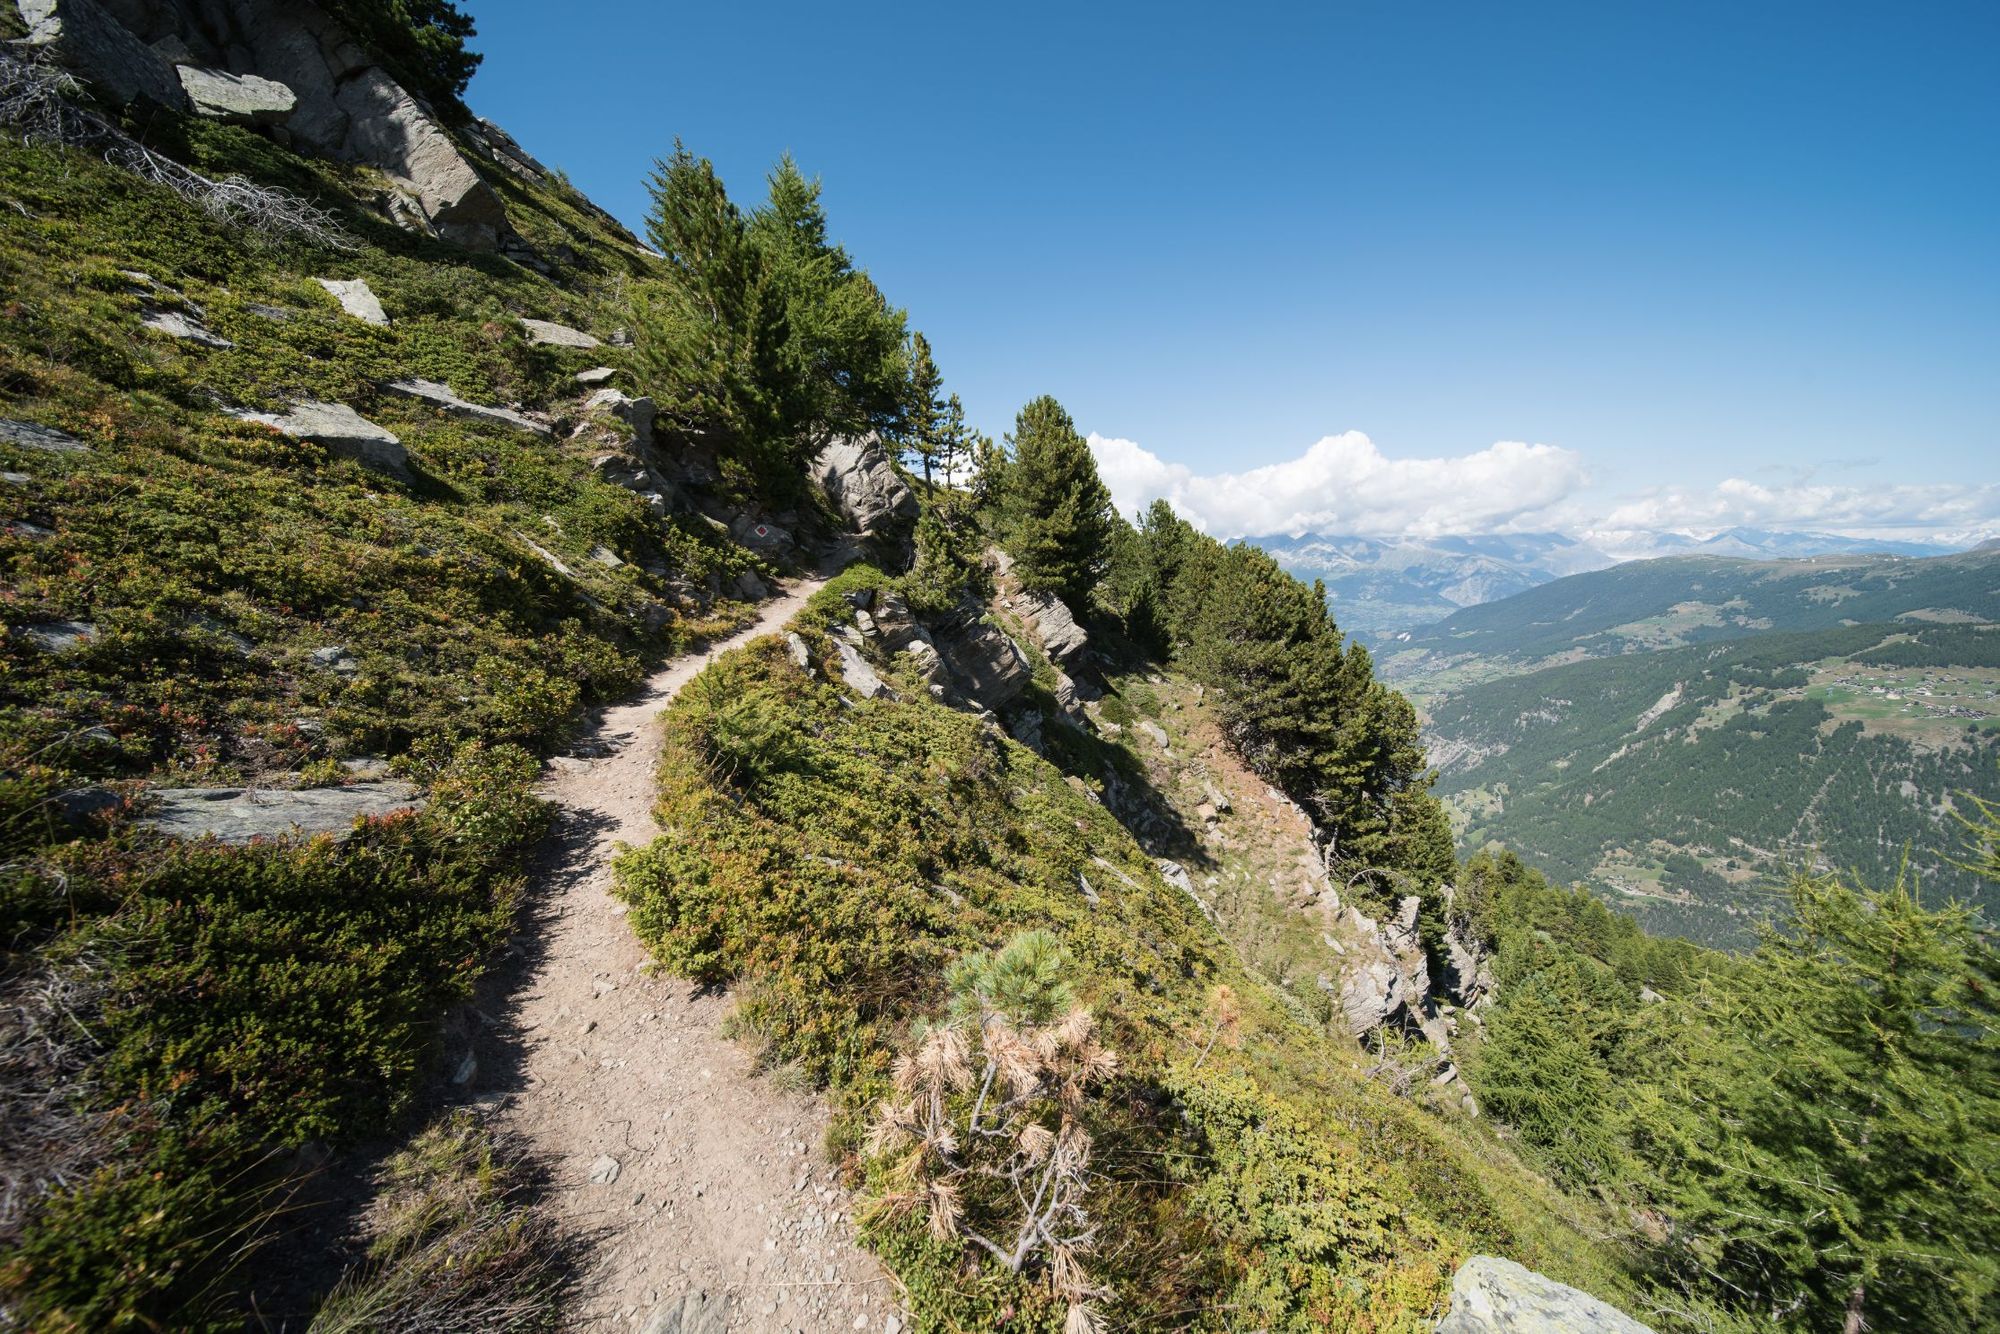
[{"x": 698, "y": 1181}]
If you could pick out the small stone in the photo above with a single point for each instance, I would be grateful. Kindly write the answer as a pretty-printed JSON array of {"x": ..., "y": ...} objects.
[
  {"x": 468, "y": 1066},
  {"x": 596, "y": 376},
  {"x": 604, "y": 1171}
]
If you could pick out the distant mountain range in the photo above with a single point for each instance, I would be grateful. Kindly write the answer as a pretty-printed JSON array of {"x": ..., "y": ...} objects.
[{"x": 1382, "y": 590}]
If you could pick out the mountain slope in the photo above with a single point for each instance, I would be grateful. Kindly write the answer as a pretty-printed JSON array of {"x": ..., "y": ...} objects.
[{"x": 1682, "y": 783}]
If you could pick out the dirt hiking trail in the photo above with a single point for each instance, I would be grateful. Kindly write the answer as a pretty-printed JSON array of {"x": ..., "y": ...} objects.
[{"x": 698, "y": 1181}]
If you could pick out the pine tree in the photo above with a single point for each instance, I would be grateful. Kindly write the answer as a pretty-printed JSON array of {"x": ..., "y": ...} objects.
[
  {"x": 1834, "y": 1145},
  {"x": 1055, "y": 514},
  {"x": 843, "y": 352},
  {"x": 922, "y": 432},
  {"x": 711, "y": 336}
]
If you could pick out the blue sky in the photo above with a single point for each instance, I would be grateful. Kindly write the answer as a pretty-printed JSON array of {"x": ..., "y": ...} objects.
[{"x": 1704, "y": 263}]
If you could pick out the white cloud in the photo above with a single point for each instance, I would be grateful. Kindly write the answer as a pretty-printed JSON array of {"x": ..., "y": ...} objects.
[
  {"x": 1344, "y": 484},
  {"x": 1938, "y": 509}
]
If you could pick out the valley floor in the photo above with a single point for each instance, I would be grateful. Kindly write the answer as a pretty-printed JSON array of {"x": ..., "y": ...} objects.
[{"x": 697, "y": 1180}]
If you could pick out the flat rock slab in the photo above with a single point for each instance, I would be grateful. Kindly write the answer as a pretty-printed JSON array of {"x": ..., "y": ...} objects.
[
  {"x": 595, "y": 376},
  {"x": 340, "y": 430},
  {"x": 545, "y": 333},
  {"x": 45, "y": 438},
  {"x": 1495, "y": 1296},
  {"x": 440, "y": 396},
  {"x": 356, "y": 298},
  {"x": 238, "y": 815},
  {"x": 244, "y": 98},
  {"x": 179, "y": 324}
]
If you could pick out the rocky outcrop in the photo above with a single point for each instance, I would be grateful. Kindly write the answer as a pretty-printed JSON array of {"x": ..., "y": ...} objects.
[
  {"x": 88, "y": 41},
  {"x": 984, "y": 663},
  {"x": 183, "y": 325},
  {"x": 239, "y": 815},
  {"x": 1494, "y": 1296},
  {"x": 858, "y": 480},
  {"x": 248, "y": 57},
  {"x": 637, "y": 413},
  {"x": 1052, "y": 625},
  {"x": 442, "y": 398},
  {"x": 854, "y": 669},
  {"x": 339, "y": 430}
]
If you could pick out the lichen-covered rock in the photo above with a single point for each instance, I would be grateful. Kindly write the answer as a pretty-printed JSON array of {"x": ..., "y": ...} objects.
[
  {"x": 857, "y": 478},
  {"x": 183, "y": 325},
  {"x": 1495, "y": 1296},
  {"x": 33, "y": 435},
  {"x": 238, "y": 815}
]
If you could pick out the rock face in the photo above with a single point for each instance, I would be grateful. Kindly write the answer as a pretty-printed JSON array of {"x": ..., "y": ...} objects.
[
  {"x": 1495, "y": 1296},
  {"x": 90, "y": 43},
  {"x": 343, "y": 104},
  {"x": 857, "y": 478},
  {"x": 340, "y": 430},
  {"x": 441, "y": 397},
  {"x": 243, "y": 98},
  {"x": 356, "y": 298},
  {"x": 238, "y": 815}
]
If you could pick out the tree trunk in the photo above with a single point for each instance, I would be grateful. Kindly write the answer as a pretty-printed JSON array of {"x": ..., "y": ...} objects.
[{"x": 1855, "y": 1324}]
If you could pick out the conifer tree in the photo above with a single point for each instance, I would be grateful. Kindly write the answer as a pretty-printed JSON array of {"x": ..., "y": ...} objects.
[
  {"x": 1055, "y": 512},
  {"x": 712, "y": 334},
  {"x": 922, "y": 431},
  {"x": 1834, "y": 1145},
  {"x": 843, "y": 353}
]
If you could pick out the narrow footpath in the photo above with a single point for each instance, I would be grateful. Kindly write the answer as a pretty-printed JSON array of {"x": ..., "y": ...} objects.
[{"x": 698, "y": 1182}]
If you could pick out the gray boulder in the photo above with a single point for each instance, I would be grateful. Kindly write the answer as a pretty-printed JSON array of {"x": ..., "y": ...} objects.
[
  {"x": 441, "y": 397},
  {"x": 246, "y": 99},
  {"x": 596, "y": 376},
  {"x": 1052, "y": 625},
  {"x": 239, "y": 815},
  {"x": 859, "y": 481},
  {"x": 690, "y": 1313},
  {"x": 340, "y": 430},
  {"x": 88, "y": 42},
  {"x": 32, "y": 435},
  {"x": 356, "y": 298},
  {"x": 1494, "y": 1296},
  {"x": 547, "y": 333}
]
